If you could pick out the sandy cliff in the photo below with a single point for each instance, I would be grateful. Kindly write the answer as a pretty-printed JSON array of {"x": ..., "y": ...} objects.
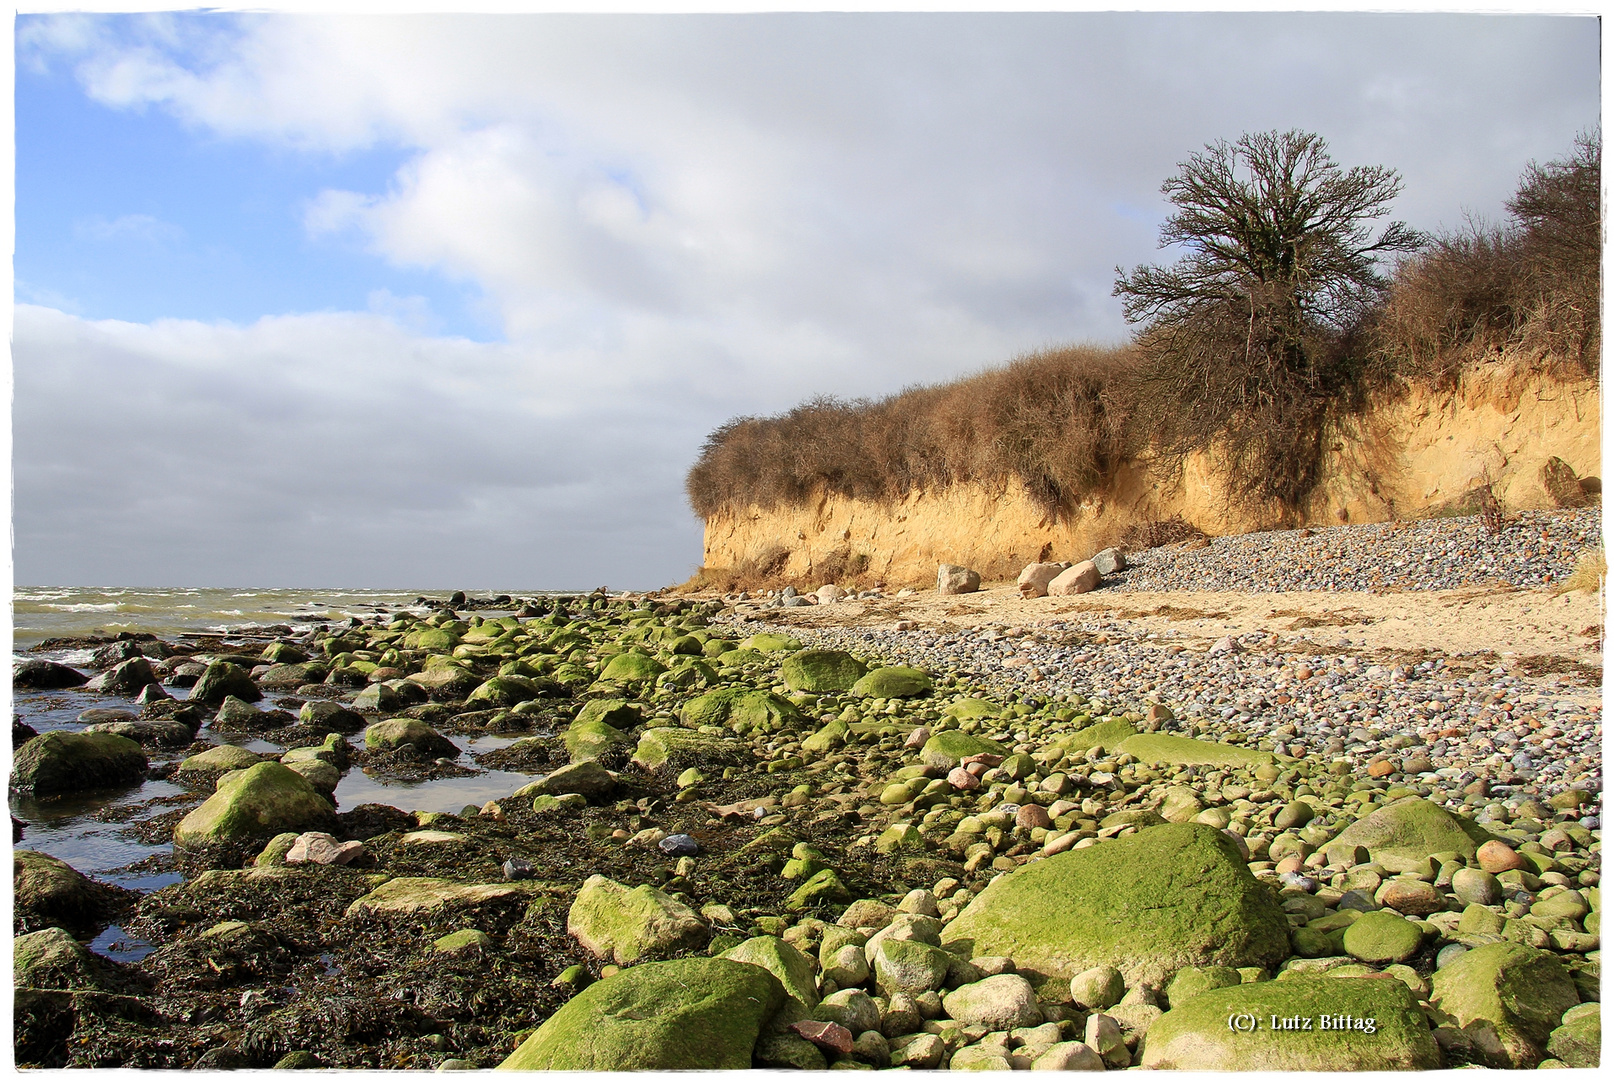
[{"x": 1405, "y": 456}]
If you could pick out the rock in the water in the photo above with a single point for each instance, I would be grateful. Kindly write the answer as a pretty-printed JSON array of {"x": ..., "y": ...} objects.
[
  {"x": 329, "y": 716},
  {"x": 506, "y": 690},
  {"x": 952, "y": 580},
  {"x": 129, "y": 677},
  {"x": 223, "y": 679},
  {"x": 61, "y": 762},
  {"x": 1401, "y": 835},
  {"x": 1080, "y": 578},
  {"x": 1165, "y": 898},
  {"x": 45, "y": 675},
  {"x": 586, "y": 778},
  {"x": 415, "y": 734},
  {"x": 262, "y": 800},
  {"x": 51, "y": 959},
  {"x": 220, "y": 759},
  {"x": 146, "y": 732},
  {"x": 697, "y": 1013},
  {"x": 822, "y": 671},
  {"x": 1523, "y": 991},
  {"x": 49, "y": 892},
  {"x": 1233, "y": 1029},
  {"x": 611, "y": 920},
  {"x": 379, "y": 697}
]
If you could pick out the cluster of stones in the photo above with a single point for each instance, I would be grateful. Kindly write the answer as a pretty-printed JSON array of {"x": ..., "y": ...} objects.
[{"x": 1119, "y": 890}]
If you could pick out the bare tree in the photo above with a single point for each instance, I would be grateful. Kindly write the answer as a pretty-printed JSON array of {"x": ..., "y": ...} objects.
[{"x": 1244, "y": 339}]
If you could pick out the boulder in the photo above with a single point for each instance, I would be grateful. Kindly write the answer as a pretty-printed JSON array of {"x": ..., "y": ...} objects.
[
  {"x": 678, "y": 749},
  {"x": 392, "y": 735},
  {"x": 62, "y": 762},
  {"x": 1000, "y": 1002},
  {"x": 128, "y": 678},
  {"x": 952, "y": 580},
  {"x": 322, "y": 774},
  {"x": 447, "y": 683},
  {"x": 1339, "y": 1025},
  {"x": 611, "y": 920},
  {"x": 696, "y": 1013},
  {"x": 146, "y": 732},
  {"x": 51, "y": 959},
  {"x": 329, "y": 716},
  {"x": 590, "y": 740},
  {"x": 48, "y": 892},
  {"x": 631, "y": 667},
  {"x": 1110, "y": 561},
  {"x": 615, "y": 711},
  {"x": 321, "y": 848},
  {"x": 1578, "y": 1040},
  {"x": 793, "y": 970},
  {"x": 45, "y": 675},
  {"x": 1522, "y": 991},
  {"x": 1034, "y": 579},
  {"x": 893, "y": 682},
  {"x": 282, "y": 652},
  {"x": 909, "y": 966},
  {"x": 1108, "y": 735},
  {"x": 1162, "y": 899},
  {"x": 379, "y": 697},
  {"x": 412, "y": 896},
  {"x": 822, "y": 671},
  {"x": 223, "y": 679},
  {"x": 1178, "y": 750},
  {"x": 945, "y": 749},
  {"x": 220, "y": 759},
  {"x": 1404, "y": 834},
  {"x": 585, "y": 778},
  {"x": 262, "y": 800},
  {"x": 1383, "y": 937},
  {"x": 506, "y": 690},
  {"x": 766, "y": 642},
  {"x": 291, "y": 676},
  {"x": 1078, "y": 579}
]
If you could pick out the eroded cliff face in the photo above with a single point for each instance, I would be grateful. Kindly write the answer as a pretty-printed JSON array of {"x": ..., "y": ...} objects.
[{"x": 1404, "y": 457}]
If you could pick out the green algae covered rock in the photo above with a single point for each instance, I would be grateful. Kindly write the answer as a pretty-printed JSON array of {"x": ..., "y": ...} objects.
[
  {"x": 589, "y": 740},
  {"x": 760, "y": 710},
  {"x": 1328, "y": 1035},
  {"x": 1382, "y": 937},
  {"x": 612, "y": 710},
  {"x": 49, "y": 892},
  {"x": 1578, "y": 1040},
  {"x": 972, "y": 708},
  {"x": 822, "y": 671},
  {"x": 767, "y": 643},
  {"x": 505, "y": 690},
  {"x": 263, "y": 800},
  {"x": 631, "y": 667},
  {"x": 678, "y": 749},
  {"x": 461, "y": 940},
  {"x": 52, "y": 959},
  {"x": 431, "y": 639},
  {"x": 1176, "y": 750},
  {"x": 698, "y": 1013},
  {"x": 415, "y": 734},
  {"x": 893, "y": 682},
  {"x": 1523, "y": 991},
  {"x": 1162, "y": 899},
  {"x": 223, "y": 679},
  {"x": 611, "y": 920},
  {"x": 945, "y": 749},
  {"x": 826, "y": 738},
  {"x": 1401, "y": 835},
  {"x": 59, "y": 762},
  {"x": 793, "y": 970},
  {"x": 824, "y": 887},
  {"x": 408, "y": 896},
  {"x": 1107, "y": 735}
]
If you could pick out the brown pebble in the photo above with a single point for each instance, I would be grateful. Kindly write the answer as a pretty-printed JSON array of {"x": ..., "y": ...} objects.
[
  {"x": 1380, "y": 768},
  {"x": 1032, "y": 816},
  {"x": 823, "y": 1033},
  {"x": 1498, "y": 858},
  {"x": 1410, "y": 896},
  {"x": 963, "y": 780},
  {"x": 1289, "y": 864}
]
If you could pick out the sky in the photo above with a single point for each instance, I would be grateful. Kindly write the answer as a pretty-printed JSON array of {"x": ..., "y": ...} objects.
[{"x": 453, "y": 301}]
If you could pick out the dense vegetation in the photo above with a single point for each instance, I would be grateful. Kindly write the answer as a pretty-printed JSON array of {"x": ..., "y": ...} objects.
[{"x": 1258, "y": 339}]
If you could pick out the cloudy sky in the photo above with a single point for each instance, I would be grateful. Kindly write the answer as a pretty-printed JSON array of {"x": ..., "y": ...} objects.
[{"x": 452, "y": 302}]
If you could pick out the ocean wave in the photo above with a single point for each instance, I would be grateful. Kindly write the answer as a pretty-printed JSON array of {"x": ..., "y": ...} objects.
[{"x": 83, "y": 607}]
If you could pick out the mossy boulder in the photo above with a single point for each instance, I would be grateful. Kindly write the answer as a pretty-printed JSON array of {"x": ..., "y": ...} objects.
[
  {"x": 447, "y": 681},
  {"x": 945, "y": 749},
  {"x": 1380, "y": 937},
  {"x": 49, "y": 892},
  {"x": 826, "y": 738},
  {"x": 613, "y": 921},
  {"x": 505, "y": 690},
  {"x": 697, "y": 1013},
  {"x": 586, "y": 778},
  {"x": 1149, "y": 904},
  {"x": 1578, "y": 1041},
  {"x": 1404, "y": 833},
  {"x": 1202, "y": 1034},
  {"x": 678, "y": 749},
  {"x": 590, "y": 740},
  {"x": 223, "y": 679},
  {"x": 617, "y": 712},
  {"x": 1176, "y": 750},
  {"x": 220, "y": 759},
  {"x": 417, "y": 735},
  {"x": 431, "y": 639},
  {"x": 973, "y": 709},
  {"x": 52, "y": 959},
  {"x": 62, "y": 762},
  {"x": 793, "y": 970},
  {"x": 1523, "y": 991},
  {"x": 263, "y": 800},
  {"x": 824, "y": 887},
  {"x": 893, "y": 682},
  {"x": 822, "y": 671},
  {"x": 769, "y": 643},
  {"x": 631, "y": 667},
  {"x": 760, "y": 710},
  {"x": 1108, "y": 735}
]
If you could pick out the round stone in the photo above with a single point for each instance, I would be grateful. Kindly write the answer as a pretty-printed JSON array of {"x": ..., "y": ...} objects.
[
  {"x": 1498, "y": 858},
  {"x": 1383, "y": 937},
  {"x": 1412, "y": 897},
  {"x": 1476, "y": 887}
]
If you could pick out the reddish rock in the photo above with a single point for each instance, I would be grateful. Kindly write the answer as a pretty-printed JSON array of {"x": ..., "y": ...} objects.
[
  {"x": 988, "y": 760},
  {"x": 1290, "y": 864},
  {"x": 963, "y": 780},
  {"x": 824, "y": 1034},
  {"x": 1380, "y": 768},
  {"x": 1498, "y": 858},
  {"x": 1032, "y": 816},
  {"x": 1410, "y": 896}
]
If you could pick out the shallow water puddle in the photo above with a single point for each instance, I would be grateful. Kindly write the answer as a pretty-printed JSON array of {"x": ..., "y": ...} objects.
[{"x": 114, "y": 944}]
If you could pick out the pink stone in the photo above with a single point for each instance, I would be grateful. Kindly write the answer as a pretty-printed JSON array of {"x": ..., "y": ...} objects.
[
  {"x": 1032, "y": 816},
  {"x": 822, "y": 1033},
  {"x": 963, "y": 780}
]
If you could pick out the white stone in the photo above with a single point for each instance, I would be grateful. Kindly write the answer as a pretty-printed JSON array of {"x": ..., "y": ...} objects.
[{"x": 1078, "y": 579}]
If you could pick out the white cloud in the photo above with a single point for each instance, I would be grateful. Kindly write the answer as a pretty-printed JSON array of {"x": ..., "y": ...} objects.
[{"x": 139, "y": 227}]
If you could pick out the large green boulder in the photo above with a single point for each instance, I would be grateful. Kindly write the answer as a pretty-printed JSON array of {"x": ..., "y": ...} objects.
[
  {"x": 1401, "y": 835},
  {"x": 893, "y": 682},
  {"x": 612, "y": 710},
  {"x": 760, "y": 710},
  {"x": 445, "y": 681},
  {"x": 766, "y": 643},
  {"x": 61, "y": 762},
  {"x": 52, "y": 959},
  {"x": 698, "y": 1013},
  {"x": 1107, "y": 735},
  {"x": 1383, "y": 937},
  {"x": 822, "y": 671},
  {"x": 945, "y": 749},
  {"x": 712, "y": 707},
  {"x": 505, "y": 690},
  {"x": 631, "y": 667},
  {"x": 1578, "y": 1041},
  {"x": 793, "y": 970},
  {"x": 1523, "y": 991},
  {"x": 417, "y": 735},
  {"x": 1149, "y": 904},
  {"x": 1176, "y": 750},
  {"x": 613, "y": 921},
  {"x": 263, "y": 800},
  {"x": 431, "y": 639},
  {"x": 48, "y": 892},
  {"x": 590, "y": 740},
  {"x": 223, "y": 679},
  {"x": 219, "y": 759},
  {"x": 678, "y": 749},
  {"x": 1312, "y": 1023}
]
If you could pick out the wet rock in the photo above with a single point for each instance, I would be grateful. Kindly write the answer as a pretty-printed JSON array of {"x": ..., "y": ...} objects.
[
  {"x": 611, "y": 920},
  {"x": 262, "y": 800},
  {"x": 222, "y": 680},
  {"x": 822, "y": 671},
  {"x": 128, "y": 678},
  {"x": 697, "y": 1013},
  {"x": 48, "y": 892},
  {"x": 394, "y": 735},
  {"x": 62, "y": 762},
  {"x": 1523, "y": 992},
  {"x": 45, "y": 675},
  {"x": 219, "y": 759},
  {"x": 146, "y": 732}
]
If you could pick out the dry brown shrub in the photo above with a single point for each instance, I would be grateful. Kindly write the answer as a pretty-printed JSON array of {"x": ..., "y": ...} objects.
[{"x": 1151, "y": 534}]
